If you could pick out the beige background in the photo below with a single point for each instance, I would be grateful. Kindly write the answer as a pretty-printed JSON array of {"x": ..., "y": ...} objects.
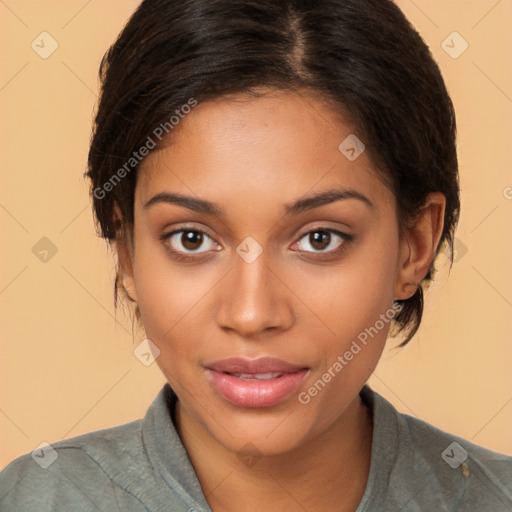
[{"x": 67, "y": 365}]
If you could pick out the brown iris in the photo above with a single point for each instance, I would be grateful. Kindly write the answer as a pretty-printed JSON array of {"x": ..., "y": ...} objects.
[
  {"x": 192, "y": 240},
  {"x": 320, "y": 239}
]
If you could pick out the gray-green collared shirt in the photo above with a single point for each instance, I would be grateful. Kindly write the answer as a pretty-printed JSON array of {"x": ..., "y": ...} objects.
[{"x": 143, "y": 466}]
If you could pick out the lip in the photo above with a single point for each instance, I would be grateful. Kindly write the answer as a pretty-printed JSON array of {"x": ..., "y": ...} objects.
[
  {"x": 259, "y": 365},
  {"x": 255, "y": 393}
]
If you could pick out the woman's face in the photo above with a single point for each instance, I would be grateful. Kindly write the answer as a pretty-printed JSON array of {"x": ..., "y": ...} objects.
[{"x": 275, "y": 274}]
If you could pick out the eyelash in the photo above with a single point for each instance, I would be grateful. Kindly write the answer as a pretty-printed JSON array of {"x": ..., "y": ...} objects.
[{"x": 186, "y": 257}]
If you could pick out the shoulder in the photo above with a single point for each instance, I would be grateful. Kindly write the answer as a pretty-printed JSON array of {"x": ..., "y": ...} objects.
[
  {"x": 68, "y": 475},
  {"x": 458, "y": 470}
]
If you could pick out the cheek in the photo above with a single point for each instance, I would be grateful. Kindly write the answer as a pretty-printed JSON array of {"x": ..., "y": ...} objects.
[
  {"x": 168, "y": 303},
  {"x": 171, "y": 299},
  {"x": 354, "y": 303},
  {"x": 351, "y": 296}
]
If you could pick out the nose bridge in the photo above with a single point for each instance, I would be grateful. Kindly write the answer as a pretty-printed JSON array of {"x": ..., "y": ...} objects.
[{"x": 253, "y": 298}]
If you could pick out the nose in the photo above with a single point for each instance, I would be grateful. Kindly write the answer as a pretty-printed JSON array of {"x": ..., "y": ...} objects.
[{"x": 254, "y": 299}]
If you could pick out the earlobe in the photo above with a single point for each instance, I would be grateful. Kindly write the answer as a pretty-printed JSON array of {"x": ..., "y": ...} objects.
[
  {"x": 125, "y": 257},
  {"x": 126, "y": 269},
  {"x": 418, "y": 246}
]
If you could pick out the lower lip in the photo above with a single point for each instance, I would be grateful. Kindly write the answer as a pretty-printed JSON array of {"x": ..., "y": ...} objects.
[{"x": 256, "y": 393}]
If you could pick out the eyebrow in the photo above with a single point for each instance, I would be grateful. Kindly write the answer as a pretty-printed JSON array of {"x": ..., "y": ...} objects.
[{"x": 301, "y": 205}]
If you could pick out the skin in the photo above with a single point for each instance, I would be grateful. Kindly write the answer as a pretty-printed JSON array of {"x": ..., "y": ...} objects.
[{"x": 297, "y": 301}]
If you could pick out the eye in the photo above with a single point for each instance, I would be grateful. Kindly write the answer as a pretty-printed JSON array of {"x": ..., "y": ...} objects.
[
  {"x": 324, "y": 240},
  {"x": 188, "y": 241},
  {"x": 186, "y": 244}
]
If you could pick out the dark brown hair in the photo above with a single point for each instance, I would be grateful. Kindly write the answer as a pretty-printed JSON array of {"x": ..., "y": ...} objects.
[{"x": 361, "y": 55}]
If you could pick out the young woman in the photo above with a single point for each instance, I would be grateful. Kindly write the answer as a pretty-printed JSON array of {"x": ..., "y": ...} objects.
[{"x": 277, "y": 177}]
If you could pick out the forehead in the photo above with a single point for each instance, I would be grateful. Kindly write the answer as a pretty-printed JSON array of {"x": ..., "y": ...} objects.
[{"x": 280, "y": 146}]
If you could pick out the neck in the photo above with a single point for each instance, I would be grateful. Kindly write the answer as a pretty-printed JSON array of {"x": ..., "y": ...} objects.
[{"x": 328, "y": 473}]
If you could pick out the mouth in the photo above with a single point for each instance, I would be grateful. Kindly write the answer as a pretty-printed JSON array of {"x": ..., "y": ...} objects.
[{"x": 254, "y": 383}]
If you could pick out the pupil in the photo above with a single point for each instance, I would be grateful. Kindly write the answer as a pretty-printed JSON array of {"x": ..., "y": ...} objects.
[
  {"x": 192, "y": 240},
  {"x": 320, "y": 239}
]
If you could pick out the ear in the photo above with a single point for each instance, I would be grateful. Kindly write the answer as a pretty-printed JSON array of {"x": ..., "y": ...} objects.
[
  {"x": 418, "y": 246},
  {"x": 124, "y": 248}
]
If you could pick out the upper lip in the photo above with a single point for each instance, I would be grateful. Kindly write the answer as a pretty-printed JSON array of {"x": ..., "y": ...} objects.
[{"x": 255, "y": 366}]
